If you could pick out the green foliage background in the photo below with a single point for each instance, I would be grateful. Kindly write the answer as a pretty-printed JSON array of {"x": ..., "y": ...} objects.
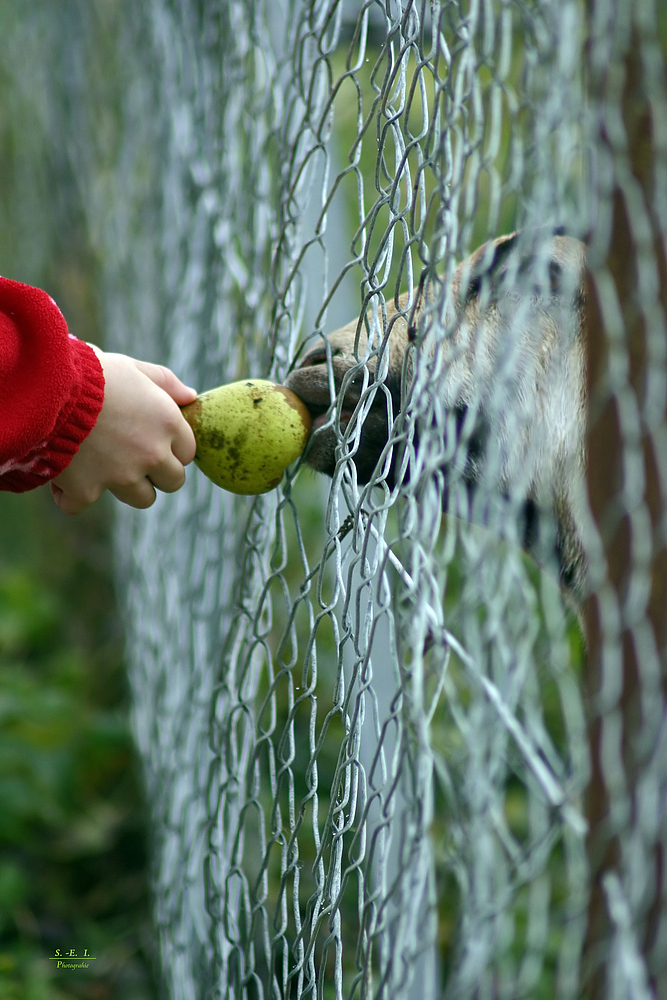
[
  {"x": 72, "y": 823},
  {"x": 73, "y": 855}
]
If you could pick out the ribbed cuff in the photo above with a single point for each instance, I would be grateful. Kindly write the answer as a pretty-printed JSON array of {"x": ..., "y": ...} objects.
[{"x": 75, "y": 422}]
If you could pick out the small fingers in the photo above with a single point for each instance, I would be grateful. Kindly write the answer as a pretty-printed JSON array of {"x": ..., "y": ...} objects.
[
  {"x": 168, "y": 382},
  {"x": 169, "y": 476},
  {"x": 183, "y": 444},
  {"x": 72, "y": 503},
  {"x": 140, "y": 442},
  {"x": 140, "y": 495}
]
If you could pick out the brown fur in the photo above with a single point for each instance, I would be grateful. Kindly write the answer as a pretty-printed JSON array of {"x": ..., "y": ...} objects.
[{"x": 522, "y": 381}]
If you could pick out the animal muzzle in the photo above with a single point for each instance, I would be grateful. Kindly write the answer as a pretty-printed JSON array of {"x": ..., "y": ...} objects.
[{"x": 312, "y": 384}]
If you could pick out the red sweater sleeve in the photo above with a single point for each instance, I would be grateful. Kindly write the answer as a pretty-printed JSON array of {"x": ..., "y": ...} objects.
[{"x": 51, "y": 388}]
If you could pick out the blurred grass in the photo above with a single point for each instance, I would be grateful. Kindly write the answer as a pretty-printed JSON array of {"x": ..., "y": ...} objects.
[{"x": 72, "y": 823}]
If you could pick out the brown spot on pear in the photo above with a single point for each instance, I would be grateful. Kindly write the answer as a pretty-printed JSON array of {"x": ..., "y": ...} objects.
[{"x": 247, "y": 433}]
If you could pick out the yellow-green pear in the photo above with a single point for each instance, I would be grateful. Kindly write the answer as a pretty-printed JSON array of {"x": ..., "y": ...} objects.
[{"x": 247, "y": 433}]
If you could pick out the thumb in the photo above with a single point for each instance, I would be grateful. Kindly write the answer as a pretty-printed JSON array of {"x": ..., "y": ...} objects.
[{"x": 165, "y": 379}]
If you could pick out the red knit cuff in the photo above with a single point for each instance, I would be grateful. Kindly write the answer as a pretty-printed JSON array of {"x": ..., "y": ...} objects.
[{"x": 75, "y": 421}]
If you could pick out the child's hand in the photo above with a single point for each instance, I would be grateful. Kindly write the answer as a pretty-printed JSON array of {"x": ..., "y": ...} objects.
[{"x": 140, "y": 442}]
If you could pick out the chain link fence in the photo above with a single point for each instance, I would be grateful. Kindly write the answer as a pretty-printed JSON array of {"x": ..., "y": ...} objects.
[{"x": 382, "y": 759}]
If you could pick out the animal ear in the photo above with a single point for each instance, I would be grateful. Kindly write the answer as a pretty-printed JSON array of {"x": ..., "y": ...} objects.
[{"x": 487, "y": 268}]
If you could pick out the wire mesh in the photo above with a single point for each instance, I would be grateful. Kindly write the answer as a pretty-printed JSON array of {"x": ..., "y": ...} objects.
[{"x": 361, "y": 702}]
